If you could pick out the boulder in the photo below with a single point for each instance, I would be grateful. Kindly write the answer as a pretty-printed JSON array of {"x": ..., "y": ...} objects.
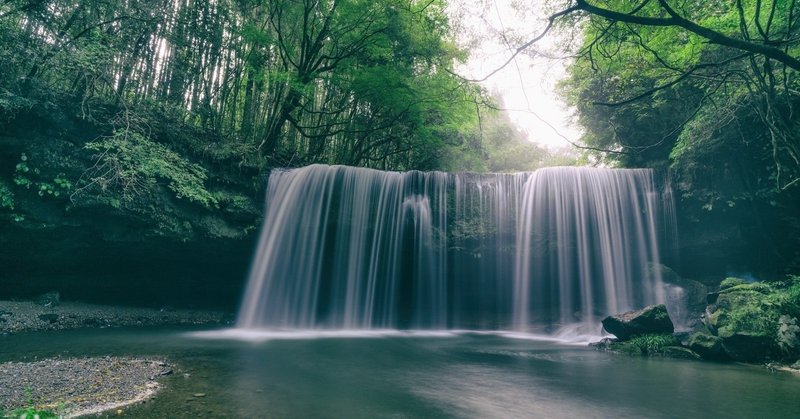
[
  {"x": 49, "y": 299},
  {"x": 651, "y": 319},
  {"x": 745, "y": 317},
  {"x": 685, "y": 298},
  {"x": 748, "y": 347},
  {"x": 708, "y": 346}
]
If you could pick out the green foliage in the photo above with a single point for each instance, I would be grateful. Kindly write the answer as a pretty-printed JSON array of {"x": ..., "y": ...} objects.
[
  {"x": 497, "y": 146},
  {"x": 648, "y": 344},
  {"x": 6, "y": 197},
  {"x": 30, "y": 177},
  {"x": 743, "y": 309},
  {"x": 180, "y": 142},
  {"x": 722, "y": 121},
  {"x": 31, "y": 413},
  {"x": 131, "y": 166}
]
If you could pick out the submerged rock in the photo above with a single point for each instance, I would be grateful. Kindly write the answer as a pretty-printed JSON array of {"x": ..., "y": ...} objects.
[{"x": 649, "y": 320}]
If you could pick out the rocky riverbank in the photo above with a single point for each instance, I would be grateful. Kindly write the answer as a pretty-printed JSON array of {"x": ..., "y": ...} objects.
[
  {"x": 27, "y": 316},
  {"x": 741, "y": 321},
  {"x": 80, "y": 386},
  {"x": 85, "y": 386}
]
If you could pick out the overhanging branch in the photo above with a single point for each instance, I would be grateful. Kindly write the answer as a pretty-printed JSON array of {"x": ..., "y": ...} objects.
[{"x": 677, "y": 20}]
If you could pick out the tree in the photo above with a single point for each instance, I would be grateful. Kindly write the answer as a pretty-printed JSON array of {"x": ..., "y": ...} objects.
[
  {"x": 166, "y": 109},
  {"x": 708, "y": 91},
  {"x": 747, "y": 48}
]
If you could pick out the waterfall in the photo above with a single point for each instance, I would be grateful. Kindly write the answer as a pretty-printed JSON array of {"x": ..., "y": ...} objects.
[{"x": 354, "y": 248}]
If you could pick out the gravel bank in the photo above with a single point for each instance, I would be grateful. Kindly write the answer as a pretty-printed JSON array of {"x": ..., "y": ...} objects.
[
  {"x": 26, "y": 316},
  {"x": 80, "y": 386}
]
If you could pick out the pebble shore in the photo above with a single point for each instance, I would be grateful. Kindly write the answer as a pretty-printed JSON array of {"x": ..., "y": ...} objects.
[
  {"x": 79, "y": 386},
  {"x": 72, "y": 387},
  {"x": 27, "y": 316}
]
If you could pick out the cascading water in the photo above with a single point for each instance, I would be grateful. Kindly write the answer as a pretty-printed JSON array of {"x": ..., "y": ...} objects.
[{"x": 354, "y": 248}]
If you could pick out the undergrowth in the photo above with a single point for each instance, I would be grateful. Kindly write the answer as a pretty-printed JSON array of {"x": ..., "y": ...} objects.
[{"x": 650, "y": 344}]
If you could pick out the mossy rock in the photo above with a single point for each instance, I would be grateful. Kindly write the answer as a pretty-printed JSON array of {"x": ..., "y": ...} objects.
[
  {"x": 731, "y": 282},
  {"x": 744, "y": 308},
  {"x": 708, "y": 346},
  {"x": 745, "y": 318}
]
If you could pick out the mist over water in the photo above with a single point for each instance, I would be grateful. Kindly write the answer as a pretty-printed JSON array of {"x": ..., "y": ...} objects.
[{"x": 360, "y": 249}]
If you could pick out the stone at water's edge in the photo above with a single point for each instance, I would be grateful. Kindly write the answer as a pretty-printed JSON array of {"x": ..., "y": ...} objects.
[
  {"x": 685, "y": 298},
  {"x": 708, "y": 346},
  {"x": 651, "y": 319},
  {"x": 748, "y": 347},
  {"x": 745, "y": 317},
  {"x": 679, "y": 352}
]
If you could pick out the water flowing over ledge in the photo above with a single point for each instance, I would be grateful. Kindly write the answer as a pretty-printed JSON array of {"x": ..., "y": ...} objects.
[{"x": 346, "y": 248}]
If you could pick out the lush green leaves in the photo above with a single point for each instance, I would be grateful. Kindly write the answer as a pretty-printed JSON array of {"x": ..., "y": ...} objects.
[
  {"x": 131, "y": 166},
  {"x": 700, "y": 97}
]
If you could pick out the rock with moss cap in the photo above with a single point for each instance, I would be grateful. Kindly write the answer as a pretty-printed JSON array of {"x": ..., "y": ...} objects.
[
  {"x": 731, "y": 282},
  {"x": 649, "y": 320},
  {"x": 708, "y": 346},
  {"x": 746, "y": 318}
]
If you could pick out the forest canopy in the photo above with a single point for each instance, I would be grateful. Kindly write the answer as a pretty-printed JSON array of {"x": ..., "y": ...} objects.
[
  {"x": 706, "y": 90},
  {"x": 175, "y": 110}
]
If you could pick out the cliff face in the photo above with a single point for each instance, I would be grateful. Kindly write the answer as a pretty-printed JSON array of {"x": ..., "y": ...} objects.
[
  {"x": 757, "y": 239},
  {"x": 65, "y": 226},
  {"x": 155, "y": 272}
]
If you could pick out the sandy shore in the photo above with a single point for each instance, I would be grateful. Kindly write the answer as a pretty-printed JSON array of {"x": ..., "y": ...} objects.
[
  {"x": 27, "y": 316},
  {"x": 79, "y": 386}
]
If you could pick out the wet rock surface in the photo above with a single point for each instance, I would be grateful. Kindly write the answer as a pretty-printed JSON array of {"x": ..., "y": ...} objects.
[
  {"x": 27, "y": 316},
  {"x": 79, "y": 386},
  {"x": 651, "y": 319},
  {"x": 708, "y": 346}
]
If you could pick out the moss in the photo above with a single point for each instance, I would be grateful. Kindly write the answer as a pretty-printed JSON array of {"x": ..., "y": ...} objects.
[
  {"x": 761, "y": 312},
  {"x": 731, "y": 282},
  {"x": 744, "y": 310}
]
